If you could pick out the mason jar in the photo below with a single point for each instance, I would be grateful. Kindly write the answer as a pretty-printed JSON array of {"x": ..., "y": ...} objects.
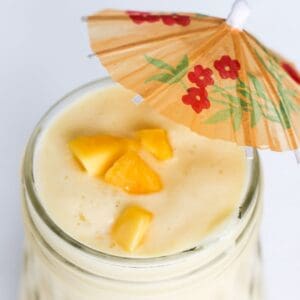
[{"x": 224, "y": 266}]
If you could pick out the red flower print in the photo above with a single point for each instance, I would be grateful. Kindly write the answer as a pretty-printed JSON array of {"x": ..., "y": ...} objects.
[
  {"x": 152, "y": 18},
  {"x": 291, "y": 71},
  {"x": 176, "y": 19},
  {"x": 227, "y": 67},
  {"x": 197, "y": 98},
  {"x": 201, "y": 77},
  {"x": 140, "y": 17}
]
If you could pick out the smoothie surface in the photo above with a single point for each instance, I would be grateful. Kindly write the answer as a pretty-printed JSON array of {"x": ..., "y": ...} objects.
[{"x": 202, "y": 183}]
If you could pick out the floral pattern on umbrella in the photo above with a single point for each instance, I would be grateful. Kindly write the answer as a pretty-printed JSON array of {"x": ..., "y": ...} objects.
[
  {"x": 200, "y": 72},
  {"x": 257, "y": 104}
]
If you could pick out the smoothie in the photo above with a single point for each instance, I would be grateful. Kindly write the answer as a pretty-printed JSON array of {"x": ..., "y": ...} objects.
[
  {"x": 121, "y": 203},
  {"x": 202, "y": 182}
]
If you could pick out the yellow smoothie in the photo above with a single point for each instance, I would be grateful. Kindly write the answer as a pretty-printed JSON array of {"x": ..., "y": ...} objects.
[
  {"x": 202, "y": 182},
  {"x": 168, "y": 191}
]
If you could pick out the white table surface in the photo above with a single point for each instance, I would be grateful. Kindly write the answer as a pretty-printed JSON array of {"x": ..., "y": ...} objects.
[{"x": 43, "y": 55}]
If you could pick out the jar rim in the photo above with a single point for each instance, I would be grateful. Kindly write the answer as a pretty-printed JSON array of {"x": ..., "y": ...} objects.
[{"x": 28, "y": 182}]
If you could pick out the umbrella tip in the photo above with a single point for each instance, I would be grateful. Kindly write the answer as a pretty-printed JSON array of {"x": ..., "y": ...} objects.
[
  {"x": 239, "y": 14},
  {"x": 297, "y": 156}
]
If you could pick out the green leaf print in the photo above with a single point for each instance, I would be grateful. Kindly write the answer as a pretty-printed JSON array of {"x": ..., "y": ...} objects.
[
  {"x": 241, "y": 84},
  {"x": 257, "y": 85},
  {"x": 164, "y": 77},
  {"x": 220, "y": 116},
  {"x": 256, "y": 113},
  {"x": 244, "y": 93},
  {"x": 287, "y": 97},
  {"x": 283, "y": 97},
  {"x": 183, "y": 65},
  {"x": 237, "y": 115},
  {"x": 176, "y": 73},
  {"x": 285, "y": 115},
  {"x": 272, "y": 118},
  {"x": 159, "y": 64},
  {"x": 236, "y": 100},
  {"x": 268, "y": 69},
  {"x": 233, "y": 99},
  {"x": 293, "y": 106}
]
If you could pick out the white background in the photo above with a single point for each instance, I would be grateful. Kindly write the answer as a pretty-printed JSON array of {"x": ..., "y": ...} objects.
[{"x": 43, "y": 55}]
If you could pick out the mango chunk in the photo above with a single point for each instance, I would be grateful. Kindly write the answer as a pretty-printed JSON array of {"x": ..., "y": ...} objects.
[
  {"x": 133, "y": 175},
  {"x": 97, "y": 153},
  {"x": 156, "y": 142},
  {"x": 131, "y": 227}
]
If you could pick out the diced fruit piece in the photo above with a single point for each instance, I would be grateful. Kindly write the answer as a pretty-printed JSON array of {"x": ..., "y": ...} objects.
[
  {"x": 156, "y": 142},
  {"x": 131, "y": 226},
  {"x": 132, "y": 174},
  {"x": 97, "y": 153}
]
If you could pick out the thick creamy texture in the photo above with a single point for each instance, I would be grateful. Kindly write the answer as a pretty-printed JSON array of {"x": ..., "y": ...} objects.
[{"x": 203, "y": 182}]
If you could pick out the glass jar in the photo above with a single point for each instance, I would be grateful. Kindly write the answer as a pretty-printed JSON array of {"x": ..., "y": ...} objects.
[{"x": 225, "y": 266}]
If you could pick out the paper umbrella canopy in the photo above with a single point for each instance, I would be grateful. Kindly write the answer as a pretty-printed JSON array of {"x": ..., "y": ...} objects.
[{"x": 204, "y": 72}]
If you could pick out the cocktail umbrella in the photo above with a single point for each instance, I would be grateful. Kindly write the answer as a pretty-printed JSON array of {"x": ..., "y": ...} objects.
[{"x": 204, "y": 72}]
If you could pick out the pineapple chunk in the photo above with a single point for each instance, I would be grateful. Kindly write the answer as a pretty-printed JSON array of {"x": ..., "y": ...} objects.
[
  {"x": 156, "y": 142},
  {"x": 97, "y": 153},
  {"x": 131, "y": 226},
  {"x": 133, "y": 175}
]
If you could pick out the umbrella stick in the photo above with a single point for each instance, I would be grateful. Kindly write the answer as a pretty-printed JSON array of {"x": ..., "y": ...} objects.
[
  {"x": 297, "y": 156},
  {"x": 249, "y": 152},
  {"x": 137, "y": 99}
]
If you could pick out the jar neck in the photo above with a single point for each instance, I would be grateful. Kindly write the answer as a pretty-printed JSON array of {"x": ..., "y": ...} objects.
[{"x": 207, "y": 260}]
